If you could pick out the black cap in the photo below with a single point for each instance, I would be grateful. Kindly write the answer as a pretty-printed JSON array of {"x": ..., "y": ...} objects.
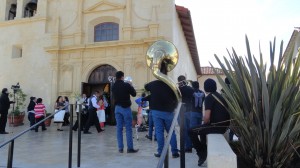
[
  {"x": 210, "y": 85},
  {"x": 195, "y": 84}
]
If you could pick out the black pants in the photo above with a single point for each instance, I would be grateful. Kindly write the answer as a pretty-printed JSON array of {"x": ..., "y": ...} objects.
[
  {"x": 66, "y": 119},
  {"x": 92, "y": 120},
  {"x": 41, "y": 124},
  {"x": 200, "y": 144},
  {"x": 31, "y": 118},
  {"x": 3, "y": 120},
  {"x": 84, "y": 118}
]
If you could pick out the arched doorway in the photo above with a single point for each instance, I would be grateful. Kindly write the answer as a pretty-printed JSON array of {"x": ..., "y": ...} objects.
[{"x": 98, "y": 80}]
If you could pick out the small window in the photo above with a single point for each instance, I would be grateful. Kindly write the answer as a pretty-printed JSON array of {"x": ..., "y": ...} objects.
[
  {"x": 17, "y": 52},
  {"x": 106, "y": 32},
  {"x": 12, "y": 12},
  {"x": 30, "y": 9}
]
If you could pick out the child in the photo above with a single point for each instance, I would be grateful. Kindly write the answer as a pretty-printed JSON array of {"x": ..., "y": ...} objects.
[
  {"x": 141, "y": 105},
  {"x": 40, "y": 114},
  {"x": 101, "y": 112}
]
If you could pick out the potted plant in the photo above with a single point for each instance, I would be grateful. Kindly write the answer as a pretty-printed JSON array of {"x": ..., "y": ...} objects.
[
  {"x": 264, "y": 107},
  {"x": 48, "y": 121},
  {"x": 16, "y": 116}
]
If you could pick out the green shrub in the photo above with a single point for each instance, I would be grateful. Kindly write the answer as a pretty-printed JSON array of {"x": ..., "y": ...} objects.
[{"x": 264, "y": 107}]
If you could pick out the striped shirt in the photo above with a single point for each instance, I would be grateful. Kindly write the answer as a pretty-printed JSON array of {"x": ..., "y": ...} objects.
[{"x": 39, "y": 110}]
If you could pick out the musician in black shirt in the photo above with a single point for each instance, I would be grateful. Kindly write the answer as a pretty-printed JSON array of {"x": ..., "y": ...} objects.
[
  {"x": 121, "y": 93},
  {"x": 216, "y": 120}
]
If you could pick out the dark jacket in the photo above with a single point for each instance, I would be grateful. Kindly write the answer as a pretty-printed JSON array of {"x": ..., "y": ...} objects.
[
  {"x": 187, "y": 96},
  {"x": 162, "y": 96},
  {"x": 31, "y": 106},
  {"x": 218, "y": 107},
  {"x": 121, "y": 93},
  {"x": 4, "y": 102}
]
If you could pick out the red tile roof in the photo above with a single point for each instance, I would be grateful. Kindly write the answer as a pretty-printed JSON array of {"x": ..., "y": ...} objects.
[
  {"x": 185, "y": 18},
  {"x": 210, "y": 71}
]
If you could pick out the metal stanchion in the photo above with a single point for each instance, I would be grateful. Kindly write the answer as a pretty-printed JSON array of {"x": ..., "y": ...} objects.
[
  {"x": 10, "y": 154},
  {"x": 70, "y": 135},
  {"x": 166, "y": 162},
  {"x": 79, "y": 136},
  {"x": 182, "y": 130}
]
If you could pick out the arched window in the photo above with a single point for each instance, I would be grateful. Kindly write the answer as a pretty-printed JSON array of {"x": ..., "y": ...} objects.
[
  {"x": 106, "y": 32},
  {"x": 30, "y": 8}
]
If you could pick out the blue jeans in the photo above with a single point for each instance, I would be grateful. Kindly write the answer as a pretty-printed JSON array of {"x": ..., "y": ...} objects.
[
  {"x": 163, "y": 121},
  {"x": 151, "y": 124},
  {"x": 192, "y": 119},
  {"x": 124, "y": 117}
]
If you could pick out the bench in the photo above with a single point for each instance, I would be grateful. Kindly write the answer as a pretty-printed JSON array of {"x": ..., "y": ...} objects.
[{"x": 219, "y": 153}]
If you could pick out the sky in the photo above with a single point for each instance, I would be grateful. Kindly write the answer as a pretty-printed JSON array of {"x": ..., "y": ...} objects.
[{"x": 223, "y": 24}]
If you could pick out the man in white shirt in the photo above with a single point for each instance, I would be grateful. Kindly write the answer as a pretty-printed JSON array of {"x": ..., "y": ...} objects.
[{"x": 92, "y": 118}]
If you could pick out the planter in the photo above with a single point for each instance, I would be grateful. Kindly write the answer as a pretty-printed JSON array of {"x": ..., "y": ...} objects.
[
  {"x": 48, "y": 122},
  {"x": 16, "y": 120}
]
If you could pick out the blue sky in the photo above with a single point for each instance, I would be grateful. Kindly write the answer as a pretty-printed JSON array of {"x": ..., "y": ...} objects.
[{"x": 221, "y": 24}]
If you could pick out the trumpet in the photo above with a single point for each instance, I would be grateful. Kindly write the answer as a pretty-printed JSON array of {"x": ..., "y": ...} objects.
[
  {"x": 185, "y": 83},
  {"x": 128, "y": 79}
]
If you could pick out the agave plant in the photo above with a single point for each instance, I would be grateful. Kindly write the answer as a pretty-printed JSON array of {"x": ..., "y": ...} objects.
[{"x": 264, "y": 104}]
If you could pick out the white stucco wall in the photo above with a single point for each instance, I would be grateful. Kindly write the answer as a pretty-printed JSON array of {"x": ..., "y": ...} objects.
[{"x": 185, "y": 65}]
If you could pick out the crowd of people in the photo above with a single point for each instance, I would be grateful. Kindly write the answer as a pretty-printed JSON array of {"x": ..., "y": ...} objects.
[{"x": 161, "y": 101}]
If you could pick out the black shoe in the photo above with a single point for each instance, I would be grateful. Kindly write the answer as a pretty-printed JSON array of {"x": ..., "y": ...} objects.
[
  {"x": 87, "y": 132},
  {"x": 148, "y": 137},
  {"x": 175, "y": 155},
  {"x": 188, "y": 151},
  {"x": 44, "y": 129},
  {"x": 74, "y": 129},
  {"x": 132, "y": 150},
  {"x": 157, "y": 155},
  {"x": 100, "y": 130},
  {"x": 4, "y": 132},
  {"x": 59, "y": 130},
  {"x": 200, "y": 162},
  {"x": 121, "y": 150}
]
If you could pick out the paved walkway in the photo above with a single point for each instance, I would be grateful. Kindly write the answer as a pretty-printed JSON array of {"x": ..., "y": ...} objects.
[{"x": 49, "y": 149}]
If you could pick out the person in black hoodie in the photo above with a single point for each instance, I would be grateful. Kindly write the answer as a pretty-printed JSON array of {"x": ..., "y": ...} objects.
[
  {"x": 30, "y": 110},
  {"x": 163, "y": 102},
  {"x": 216, "y": 120},
  {"x": 187, "y": 98},
  {"x": 4, "y": 106}
]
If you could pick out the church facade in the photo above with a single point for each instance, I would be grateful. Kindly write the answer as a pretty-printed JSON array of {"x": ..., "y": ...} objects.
[{"x": 63, "y": 47}]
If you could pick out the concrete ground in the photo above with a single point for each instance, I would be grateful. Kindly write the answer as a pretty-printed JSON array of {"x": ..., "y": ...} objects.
[{"x": 49, "y": 149}]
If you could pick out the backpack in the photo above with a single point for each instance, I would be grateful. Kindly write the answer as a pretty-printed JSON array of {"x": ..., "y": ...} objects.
[{"x": 198, "y": 98}]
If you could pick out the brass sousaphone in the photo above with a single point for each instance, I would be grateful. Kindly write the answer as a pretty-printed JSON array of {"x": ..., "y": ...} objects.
[{"x": 159, "y": 52}]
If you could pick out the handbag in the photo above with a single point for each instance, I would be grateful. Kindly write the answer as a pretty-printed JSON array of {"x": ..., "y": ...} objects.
[
  {"x": 101, "y": 115},
  {"x": 59, "y": 117}
]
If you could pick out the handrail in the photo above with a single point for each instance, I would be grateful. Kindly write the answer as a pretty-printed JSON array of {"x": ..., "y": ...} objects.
[
  {"x": 163, "y": 158},
  {"x": 23, "y": 132}
]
